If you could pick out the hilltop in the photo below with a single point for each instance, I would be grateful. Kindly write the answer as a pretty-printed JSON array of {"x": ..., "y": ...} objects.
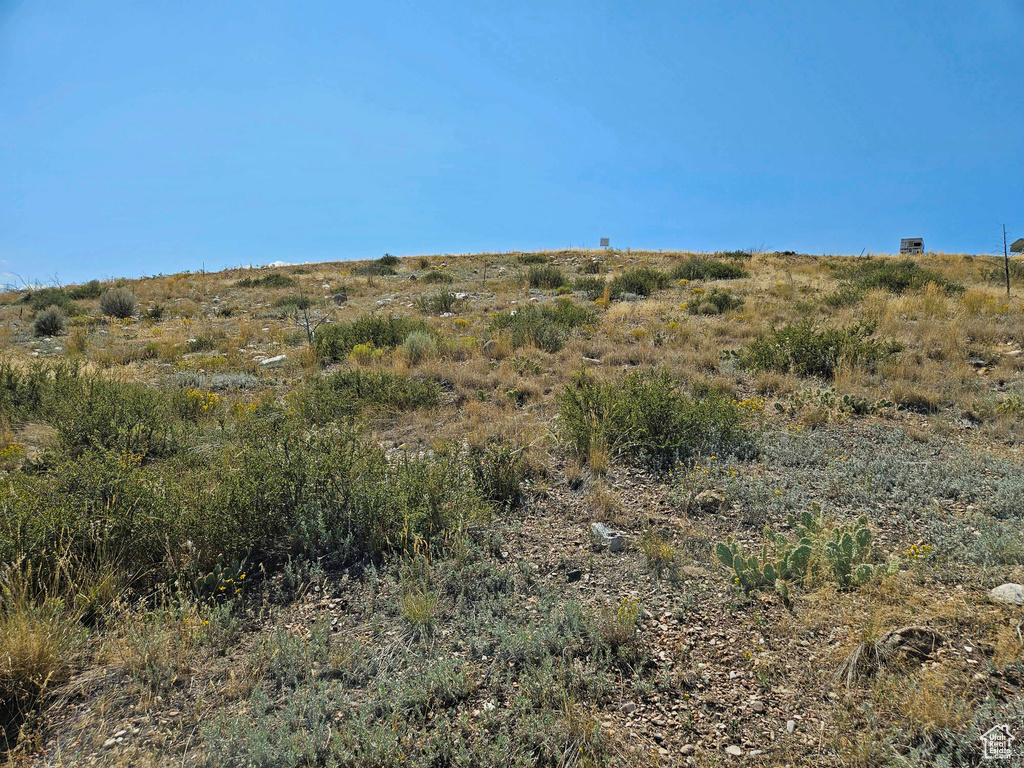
[{"x": 343, "y": 514}]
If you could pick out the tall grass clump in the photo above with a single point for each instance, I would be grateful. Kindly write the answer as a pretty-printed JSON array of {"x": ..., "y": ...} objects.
[
  {"x": 642, "y": 281},
  {"x": 50, "y": 322},
  {"x": 697, "y": 268},
  {"x": 546, "y": 328},
  {"x": 335, "y": 342},
  {"x": 547, "y": 278},
  {"x": 118, "y": 302},
  {"x": 805, "y": 350},
  {"x": 644, "y": 418}
]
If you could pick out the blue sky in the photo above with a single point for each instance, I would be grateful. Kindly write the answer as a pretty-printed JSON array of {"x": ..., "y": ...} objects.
[{"x": 138, "y": 138}]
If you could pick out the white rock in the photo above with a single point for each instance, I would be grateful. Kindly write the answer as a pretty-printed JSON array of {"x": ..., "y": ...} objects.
[
  {"x": 1011, "y": 594},
  {"x": 606, "y": 537},
  {"x": 273, "y": 360},
  {"x": 790, "y": 726},
  {"x": 733, "y": 750}
]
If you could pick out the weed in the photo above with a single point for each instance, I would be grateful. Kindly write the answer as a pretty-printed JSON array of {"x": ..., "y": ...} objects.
[
  {"x": 696, "y": 268},
  {"x": 642, "y": 281}
]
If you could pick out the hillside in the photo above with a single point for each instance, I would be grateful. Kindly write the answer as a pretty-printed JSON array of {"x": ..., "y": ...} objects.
[{"x": 342, "y": 514}]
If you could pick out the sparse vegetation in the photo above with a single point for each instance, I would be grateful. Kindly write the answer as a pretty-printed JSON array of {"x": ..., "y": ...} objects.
[{"x": 261, "y": 549}]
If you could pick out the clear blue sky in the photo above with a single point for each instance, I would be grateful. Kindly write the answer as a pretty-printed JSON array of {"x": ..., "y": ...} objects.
[{"x": 149, "y": 137}]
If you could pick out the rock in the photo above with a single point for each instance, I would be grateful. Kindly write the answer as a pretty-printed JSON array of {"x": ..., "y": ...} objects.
[
  {"x": 574, "y": 575},
  {"x": 272, "y": 361},
  {"x": 109, "y": 743},
  {"x": 605, "y": 537},
  {"x": 628, "y": 708},
  {"x": 757, "y": 706},
  {"x": 733, "y": 750},
  {"x": 1010, "y": 594},
  {"x": 339, "y": 298},
  {"x": 687, "y": 750},
  {"x": 790, "y": 726}
]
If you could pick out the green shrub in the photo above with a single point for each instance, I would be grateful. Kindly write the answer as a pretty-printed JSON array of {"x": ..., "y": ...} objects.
[
  {"x": 498, "y": 471},
  {"x": 715, "y": 302},
  {"x": 155, "y": 312},
  {"x": 377, "y": 268},
  {"x": 50, "y": 322},
  {"x": 547, "y": 278},
  {"x": 532, "y": 258},
  {"x": 696, "y": 268},
  {"x": 346, "y": 393},
  {"x": 438, "y": 276},
  {"x": 272, "y": 280},
  {"x": 591, "y": 287},
  {"x": 334, "y": 342},
  {"x": 642, "y": 281},
  {"x": 118, "y": 302},
  {"x": 89, "y": 290},
  {"x": 424, "y": 262},
  {"x": 438, "y": 303},
  {"x": 42, "y": 298},
  {"x": 644, "y": 418},
  {"x": 591, "y": 268},
  {"x": 744, "y": 255},
  {"x": 419, "y": 346},
  {"x": 807, "y": 351},
  {"x": 544, "y": 327},
  {"x": 293, "y": 303},
  {"x": 388, "y": 260},
  {"x": 894, "y": 276}
]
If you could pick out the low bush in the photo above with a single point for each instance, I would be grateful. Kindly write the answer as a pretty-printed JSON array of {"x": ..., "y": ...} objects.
[
  {"x": 807, "y": 351},
  {"x": 389, "y": 261},
  {"x": 716, "y": 302},
  {"x": 118, "y": 302},
  {"x": 42, "y": 298},
  {"x": 335, "y": 342},
  {"x": 498, "y": 471},
  {"x": 292, "y": 303},
  {"x": 642, "y": 281},
  {"x": 437, "y": 276},
  {"x": 438, "y": 303},
  {"x": 591, "y": 287},
  {"x": 696, "y": 268},
  {"x": 532, "y": 258},
  {"x": 89, "y": 290},
  {"x": 544, "y": 327},
  {"x": 892, "y": 275},
  {"x": 346, "y": 393},
  {"x": 419, "y": 346},
  {"x": 547, "y": 278},
  {"x": 382, "y": 267},
  {"x": 591, "y": 268},
  {"x": 50, "y": 322},
  {"x": 645, "y": 419},
  {"x": 272, "y": 280}
]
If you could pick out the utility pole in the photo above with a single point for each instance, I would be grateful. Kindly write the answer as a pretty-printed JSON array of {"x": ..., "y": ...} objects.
[{"x": 1006, "y": 262}]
